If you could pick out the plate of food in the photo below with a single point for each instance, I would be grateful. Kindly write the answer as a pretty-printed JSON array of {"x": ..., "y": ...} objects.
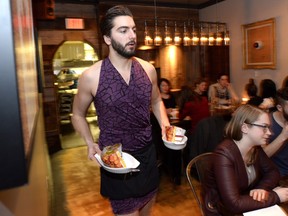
[
  {"x": 114, "y": 160},
  {"x": 175, "y": 138}
]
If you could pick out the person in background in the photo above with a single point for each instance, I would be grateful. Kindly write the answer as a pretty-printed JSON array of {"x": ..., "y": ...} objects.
[
  {"x": 222, "y": 92},
  {"x": 252, "y": 90},
  {"x": 123, "y": 89},
  {"x": 201, "y": 87},
  {"x": 285, "y": 82},
  {"x": 168, "y": 99},
  {"x": 243, "y": 178},
  {"x": 267, "y": 92},
  {"x": 193, "y": 105},
  {"x": 277, "y": 148},
  {"x": 171, "y": 158}
]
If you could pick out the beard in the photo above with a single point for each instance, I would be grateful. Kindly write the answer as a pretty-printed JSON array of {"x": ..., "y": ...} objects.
[{"x": 121, "y": 49}]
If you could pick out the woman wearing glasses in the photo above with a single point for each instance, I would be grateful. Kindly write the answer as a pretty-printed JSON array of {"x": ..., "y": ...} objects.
[{"x": 242, "y": 177}]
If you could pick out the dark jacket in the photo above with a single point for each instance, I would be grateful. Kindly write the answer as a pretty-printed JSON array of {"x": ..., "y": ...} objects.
[{"x": 227, "y": 188}]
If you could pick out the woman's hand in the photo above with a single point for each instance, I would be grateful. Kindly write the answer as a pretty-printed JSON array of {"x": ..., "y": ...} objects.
[
  {"x": 282, "y": 193},
  {"x": 259, "y": 195},
  {"x": 92, "y": 150}
]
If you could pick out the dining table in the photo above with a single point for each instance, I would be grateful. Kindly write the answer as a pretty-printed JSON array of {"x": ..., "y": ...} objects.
[{"x": 222, "y": 109}]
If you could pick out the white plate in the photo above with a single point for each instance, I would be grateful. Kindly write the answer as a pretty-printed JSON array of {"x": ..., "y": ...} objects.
[
  {"x": 131, "y": 164},
  {"x": 177, "y": 145}
]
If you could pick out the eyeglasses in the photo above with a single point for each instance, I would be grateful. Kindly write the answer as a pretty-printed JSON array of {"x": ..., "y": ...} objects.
[{"x": 265, "y": 127}]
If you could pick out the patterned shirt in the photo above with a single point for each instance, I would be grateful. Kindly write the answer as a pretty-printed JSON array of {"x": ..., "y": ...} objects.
[{"x": 124, "y": 109}]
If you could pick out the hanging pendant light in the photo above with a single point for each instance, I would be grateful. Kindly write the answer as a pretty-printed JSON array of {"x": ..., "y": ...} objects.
[
  {"x": 219, "y": 38},
  {"x": 177, "y": 36},
  {"x": 186, "y": 36},
  {"x": 157, "y": 35},
  {"x": 203, "y": 36},
  {"x": 195, "y": 37},
  {"x": 205, "y": 33},
  {"x": 211, "y": 38},
  {"x": 148, "y": 41},
  {"x": 167, "y": 39},
  {"x": 226, "y": 37}
]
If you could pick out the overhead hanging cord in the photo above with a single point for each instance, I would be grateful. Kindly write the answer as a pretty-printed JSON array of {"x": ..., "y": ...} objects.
[
  {"x": 155, "y": 9},
  {"x": 217, "y": 17}
]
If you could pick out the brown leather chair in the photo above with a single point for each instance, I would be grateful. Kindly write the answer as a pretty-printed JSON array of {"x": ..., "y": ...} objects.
[{"x": 195, "y": 173}]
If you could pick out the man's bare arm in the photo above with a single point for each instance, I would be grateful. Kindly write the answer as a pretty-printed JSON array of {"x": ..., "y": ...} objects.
[{"x": 81, "y": 104}]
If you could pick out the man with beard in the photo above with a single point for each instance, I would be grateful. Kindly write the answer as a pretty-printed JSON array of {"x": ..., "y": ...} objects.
[
  {"x": 277, "y": 149},
  {"x": 123, "y": 89}
]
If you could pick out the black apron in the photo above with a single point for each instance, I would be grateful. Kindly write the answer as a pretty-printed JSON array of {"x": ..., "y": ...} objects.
[{"x": 133, "y": 184}]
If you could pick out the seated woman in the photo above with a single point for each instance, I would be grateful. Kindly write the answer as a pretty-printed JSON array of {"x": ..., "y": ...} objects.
[
  {"x": 243, "y": 178},
  {"x": 193, "y": 105},
  {"x": 168, "y": 98}
]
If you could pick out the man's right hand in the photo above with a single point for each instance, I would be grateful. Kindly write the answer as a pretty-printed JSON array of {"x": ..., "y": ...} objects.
[{"x": 92, "y": 150}]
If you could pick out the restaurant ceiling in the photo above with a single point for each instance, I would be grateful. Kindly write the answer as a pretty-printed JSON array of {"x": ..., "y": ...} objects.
[{"x": 193, "y": 4}]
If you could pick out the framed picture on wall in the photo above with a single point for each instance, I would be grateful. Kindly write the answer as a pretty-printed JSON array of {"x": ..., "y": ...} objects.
[{"x": 259, "y": 45}]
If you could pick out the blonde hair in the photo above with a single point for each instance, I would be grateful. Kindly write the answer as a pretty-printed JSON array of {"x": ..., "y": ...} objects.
[{"x": 244, "y": 114}]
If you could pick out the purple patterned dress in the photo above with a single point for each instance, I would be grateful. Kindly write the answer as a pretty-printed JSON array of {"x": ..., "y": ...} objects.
[
  {"x": 124, "y": 110},
  {"x": 124, "y": 117}
]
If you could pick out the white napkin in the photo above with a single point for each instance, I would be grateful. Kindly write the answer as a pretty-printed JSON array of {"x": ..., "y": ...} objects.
[{"x": 269, "y": 211}]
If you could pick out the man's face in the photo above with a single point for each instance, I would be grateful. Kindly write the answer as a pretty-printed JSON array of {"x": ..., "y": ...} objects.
[
  {"x": 224, "y": 81},
  {"x": 123, "y": 36},
  {"x": 202, "y": 86}
]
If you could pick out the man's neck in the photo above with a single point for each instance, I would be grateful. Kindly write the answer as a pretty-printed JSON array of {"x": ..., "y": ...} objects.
[
  {"x": 120, "y": 63},
  {"x": 278, "y": 116}
]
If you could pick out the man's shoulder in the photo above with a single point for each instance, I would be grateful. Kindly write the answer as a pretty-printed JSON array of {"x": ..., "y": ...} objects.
[
  {"x": 213, "y": 86},
  {"x": 94, "y": 69},
  {"x": 145, "y": 64}
]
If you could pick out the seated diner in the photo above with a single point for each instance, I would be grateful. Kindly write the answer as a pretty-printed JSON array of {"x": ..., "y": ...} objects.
[{"x": 243, "y": 178}]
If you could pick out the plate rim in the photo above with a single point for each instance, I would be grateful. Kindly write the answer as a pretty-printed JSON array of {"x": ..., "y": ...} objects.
[
  {"x": 121, "y": 170},
  {"x": 185, "y": 139}
]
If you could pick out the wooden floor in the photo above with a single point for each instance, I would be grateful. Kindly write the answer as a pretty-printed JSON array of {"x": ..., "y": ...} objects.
[{"x": 77, "y": 182}]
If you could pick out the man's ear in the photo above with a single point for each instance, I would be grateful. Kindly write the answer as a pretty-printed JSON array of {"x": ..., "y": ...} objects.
[
  {"x": 279, "y": 108},
  {"x": 107, "y": 39}
]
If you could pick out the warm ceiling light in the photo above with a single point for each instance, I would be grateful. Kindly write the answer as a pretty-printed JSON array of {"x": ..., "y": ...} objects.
[
  {"x": 177, "y": 36},
  {"x": 186, "y": 36},
  {"x": 226, "y": 38},
  {"x": 211, "y": 38},
  {"x": 207, "y": 33},
  {"x": 195, "y": 37},
  {"x": 157, "y": 35},
  {"x": 167, "y": 39},
  {"x": 148, "y": 41},
  {"x": 203, "y": 37},
  {"x": 219, "y": 37}
]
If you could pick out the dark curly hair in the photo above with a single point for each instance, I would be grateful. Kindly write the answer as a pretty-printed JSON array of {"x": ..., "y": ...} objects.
[
  {"x": 268, "y": 88},
  {"x": 282, "y": 96},
  {"x": 107, "y": 24}
]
